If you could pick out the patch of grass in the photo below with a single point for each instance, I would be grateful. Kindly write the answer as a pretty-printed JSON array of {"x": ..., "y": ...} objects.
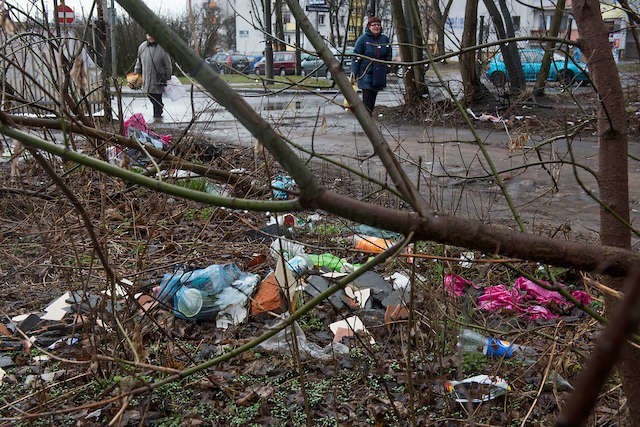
[
  {"x": 473, "y": 362},
  {"x": 190, "y": 214},
  {"x": 243, "y": 415},
  {"x": 205, "y": 213},
  {"x": 193, "y": 184},
  {"x": 311, "y": 323},
  {"x": 316, "y": 391},
  {"x": 327, "y": 230}
]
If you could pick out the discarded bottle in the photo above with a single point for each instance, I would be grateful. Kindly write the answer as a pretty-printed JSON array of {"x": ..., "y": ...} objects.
[
  {"x": 327, "y": 260},
  {"x": 188, "y": 302},
  {"x": 280, "y": 185},
  {"x": 471, "y": 341},
  {"x": 299, "y": 264}
]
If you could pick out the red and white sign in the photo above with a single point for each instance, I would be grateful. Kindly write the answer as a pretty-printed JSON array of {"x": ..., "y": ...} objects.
[{"x": 65, "y": 14}]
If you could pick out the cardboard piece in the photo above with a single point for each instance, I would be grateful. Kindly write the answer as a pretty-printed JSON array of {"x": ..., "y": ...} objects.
[
  {"x": 57, "y": 309},
  {"x": 347, "y": 328},
  {"x": 361, "y": 296},
  {"x": 286, "y": 280}
]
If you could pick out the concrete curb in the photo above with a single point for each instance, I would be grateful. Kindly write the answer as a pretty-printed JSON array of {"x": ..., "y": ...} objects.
[{"x": 238, "y": 87}]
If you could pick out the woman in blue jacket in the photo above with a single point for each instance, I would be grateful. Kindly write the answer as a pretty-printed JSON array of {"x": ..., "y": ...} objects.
[{"x": 370, "y": 74}]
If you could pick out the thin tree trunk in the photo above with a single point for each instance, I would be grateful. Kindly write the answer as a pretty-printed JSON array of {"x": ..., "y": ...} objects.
[
  {"x": 541, "y": 79},
  {"x": 192, "y": 25},
  {"x": 468, "y": 69},
  {"x": 413, "y": 18},
  {"x": 614, "y": 193},
  {"x": 280, "y": 42},
  {"x": 106, "y": 96},
  {"x": 268, "y": 49},
  {"x": 411, "y": 95},
  {"x": 439, "y": 20},
  {"x": 509, "y": 51}
]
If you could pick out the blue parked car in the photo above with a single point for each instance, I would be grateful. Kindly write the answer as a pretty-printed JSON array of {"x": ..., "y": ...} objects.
[
  {"x": 562, "y": 69},
  {"x": 253, "y": 59}
]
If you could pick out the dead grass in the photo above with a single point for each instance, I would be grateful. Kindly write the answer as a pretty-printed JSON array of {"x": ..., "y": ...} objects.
[{"x": 46, "y": 252}]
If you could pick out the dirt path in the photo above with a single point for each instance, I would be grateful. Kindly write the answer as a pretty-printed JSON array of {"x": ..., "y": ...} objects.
[{"x": 455, "y": 176}]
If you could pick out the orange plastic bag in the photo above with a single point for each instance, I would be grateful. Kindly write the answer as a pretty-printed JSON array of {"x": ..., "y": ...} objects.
[
  {"x": 376, "y": 245},
  {"x": 371, "y": 244}
]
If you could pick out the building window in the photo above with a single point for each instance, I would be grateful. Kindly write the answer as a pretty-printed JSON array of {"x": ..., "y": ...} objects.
[
  {"x": 516, "y": 23},
  {"x": 321, "y": 19}
]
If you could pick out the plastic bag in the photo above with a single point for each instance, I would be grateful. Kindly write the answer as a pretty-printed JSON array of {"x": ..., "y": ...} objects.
[
  {"x": 478, "y": 389},
  {"x": 201, "y": 294},
  {"x": 352, "y": 80},
  {"x": 282, "y": 343},
  {"x": 288, "y": 248},
  {"x": 174, "y": 89}
]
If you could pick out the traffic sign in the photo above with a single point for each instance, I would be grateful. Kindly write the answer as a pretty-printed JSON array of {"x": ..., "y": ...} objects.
[{"x": 65, "y": 14}]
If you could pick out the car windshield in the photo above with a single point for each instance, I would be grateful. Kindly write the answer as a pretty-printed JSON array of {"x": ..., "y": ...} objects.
[
  {"x": 558, "y": 56},
  {"x": 534, "y": 56}
]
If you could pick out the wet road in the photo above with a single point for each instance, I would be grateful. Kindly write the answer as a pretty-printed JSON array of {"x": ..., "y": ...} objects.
[{"x": 453, "y": 174}]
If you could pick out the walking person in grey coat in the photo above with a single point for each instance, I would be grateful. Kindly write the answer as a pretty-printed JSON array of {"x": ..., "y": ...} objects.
[{"x": 155, "y": 65}]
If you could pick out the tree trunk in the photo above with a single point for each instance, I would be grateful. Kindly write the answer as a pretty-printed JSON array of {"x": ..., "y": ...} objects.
[
  {"x": 509, "y": 51},
  {"x": 106, "y": 96},
  {"x": 411, "y": 95},
  {"x": 614, "y": 194},
  {"x": 413, "y": 20},
  {"x": 192, "y": 26},
  {"x": 280, "y": 42},
  {"x": 468, "y": 70},
  {"x": 268, "y": 48},
  {"x": 439, "y": 20},
  {"x": 541, "y": 80}
]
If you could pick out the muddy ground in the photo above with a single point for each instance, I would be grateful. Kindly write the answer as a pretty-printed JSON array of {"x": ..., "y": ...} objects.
[{"x": 399, "y": 380}]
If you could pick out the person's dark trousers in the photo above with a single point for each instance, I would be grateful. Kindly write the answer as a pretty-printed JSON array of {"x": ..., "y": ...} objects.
[
  {"x": 156, "y": 101},
  {"x": 369, "y": 99}
]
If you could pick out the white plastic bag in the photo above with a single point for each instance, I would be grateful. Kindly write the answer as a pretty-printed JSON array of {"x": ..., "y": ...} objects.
[{"x": 174, "y": 89}]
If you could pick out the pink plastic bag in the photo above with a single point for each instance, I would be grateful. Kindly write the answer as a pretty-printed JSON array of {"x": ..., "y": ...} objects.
[
  {"x": 534, "y": 291},
  {"x": 535, "y": 312},
  {"x": 137, "y": 121},
  {"x": 496, "y": 298},
  {"x": 455, "y": 285}
]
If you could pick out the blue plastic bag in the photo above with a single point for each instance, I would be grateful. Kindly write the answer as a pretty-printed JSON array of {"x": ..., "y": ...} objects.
[{"x": 201, "y": 294}]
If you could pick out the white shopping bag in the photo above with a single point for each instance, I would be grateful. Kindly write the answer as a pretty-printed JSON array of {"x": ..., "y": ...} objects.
[{"x": 174, "y": 89}]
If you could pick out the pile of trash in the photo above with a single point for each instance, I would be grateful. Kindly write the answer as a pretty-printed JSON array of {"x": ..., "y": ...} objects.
[{"x": 227, "y": 295}]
